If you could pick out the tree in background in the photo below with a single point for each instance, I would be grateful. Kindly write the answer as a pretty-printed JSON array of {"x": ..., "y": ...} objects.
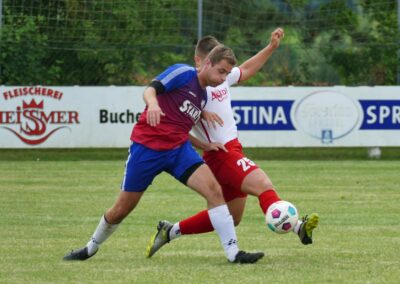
[
  {"x": 23, "y": 52},
  {"x": 76, "y": 42},
  {"x": 364, "y": 53}
]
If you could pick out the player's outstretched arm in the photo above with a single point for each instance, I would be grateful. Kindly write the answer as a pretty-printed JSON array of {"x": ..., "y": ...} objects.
[{"x": 251, "y": 66}]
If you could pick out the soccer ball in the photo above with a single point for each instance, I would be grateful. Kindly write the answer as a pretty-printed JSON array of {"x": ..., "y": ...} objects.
[{"x": 281, "y": 217}]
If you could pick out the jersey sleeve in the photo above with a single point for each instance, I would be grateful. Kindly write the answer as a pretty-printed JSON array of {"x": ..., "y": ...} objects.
[
  {"x": 176, "y": 76},
  {"x": 234, "y": 77}
]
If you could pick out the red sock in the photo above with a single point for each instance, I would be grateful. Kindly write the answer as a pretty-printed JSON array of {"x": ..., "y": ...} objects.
[
  {"x": 197, "y": 224},
  {"x": 267, "y": 198}
]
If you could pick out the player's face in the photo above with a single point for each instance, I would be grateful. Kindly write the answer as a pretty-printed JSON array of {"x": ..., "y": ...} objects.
[{"x": 217, "y": 73}]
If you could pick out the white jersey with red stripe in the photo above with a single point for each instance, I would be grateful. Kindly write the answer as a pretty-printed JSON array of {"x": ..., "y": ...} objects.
[{"x": 219, "y": 101}]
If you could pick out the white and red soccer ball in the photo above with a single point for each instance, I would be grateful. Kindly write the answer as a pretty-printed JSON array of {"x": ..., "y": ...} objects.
[{"x": 281, "y": 217}]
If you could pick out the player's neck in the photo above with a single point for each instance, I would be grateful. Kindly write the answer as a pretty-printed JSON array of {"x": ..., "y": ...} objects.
[{"x": 202, "y": 80}]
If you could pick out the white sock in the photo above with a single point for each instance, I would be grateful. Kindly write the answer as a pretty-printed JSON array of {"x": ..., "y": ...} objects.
[
  {"x": 175, "y": 232},
  {"x": 297, "y": 227},
  {"x": 222, "y": 222},
  {"x": 103, "y": 231}
]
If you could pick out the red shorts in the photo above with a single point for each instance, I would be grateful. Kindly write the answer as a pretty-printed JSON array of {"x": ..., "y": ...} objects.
[{"x": 230, "y": 168}]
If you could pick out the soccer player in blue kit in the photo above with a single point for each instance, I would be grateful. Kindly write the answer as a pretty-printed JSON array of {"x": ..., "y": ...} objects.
[
  {"x": 160, "y": 143},
  {"x": 223, "y": 153}
]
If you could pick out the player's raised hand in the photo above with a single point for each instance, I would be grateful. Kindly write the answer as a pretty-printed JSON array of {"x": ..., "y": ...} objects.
[
  {"x": 276, "y": 37},
  {"x": 211, "y": 119},
  {"x": 154, "y": 114}
]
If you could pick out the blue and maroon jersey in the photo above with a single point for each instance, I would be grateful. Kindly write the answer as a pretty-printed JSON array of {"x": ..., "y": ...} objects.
[{"x": 181, "y": 98}]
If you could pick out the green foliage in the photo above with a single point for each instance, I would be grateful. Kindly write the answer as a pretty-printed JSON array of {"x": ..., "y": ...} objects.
[
  {"x": 23, "y": 52},
  {"x": 77, "y": 42},
  {"x": 361, "y": 53}
]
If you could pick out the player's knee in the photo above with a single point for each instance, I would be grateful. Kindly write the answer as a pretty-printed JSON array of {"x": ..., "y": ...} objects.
[
  {"x": 263, "y": 183},
  {"x": 214, "y": 193}
]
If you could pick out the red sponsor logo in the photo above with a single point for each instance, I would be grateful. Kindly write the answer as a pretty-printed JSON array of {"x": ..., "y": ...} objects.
[
  {"x": 29, "y": 121},
  {"x": 219, "y": 94}
]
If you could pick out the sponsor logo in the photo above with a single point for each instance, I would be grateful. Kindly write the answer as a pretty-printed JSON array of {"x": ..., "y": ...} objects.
[
  {"x": 380, "y": 115},
  {"x": 28, "y": 120},
  {"x": 190, "y": 110},
  {"x": 326, "y": 136},
  {"x": 219, "y": 94},
  {"x": 32, "y": 91},
  {"x": 281, "y": 221},
  {"x": 327, "y": 115},
  {"x": 263, "y": 115},
  {"x": 127, "y": 116}
]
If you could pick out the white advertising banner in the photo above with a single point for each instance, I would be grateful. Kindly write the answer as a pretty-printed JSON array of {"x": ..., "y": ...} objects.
[
  {"x": 66, "y": 117},
  {"x": 318, "y": 117}
]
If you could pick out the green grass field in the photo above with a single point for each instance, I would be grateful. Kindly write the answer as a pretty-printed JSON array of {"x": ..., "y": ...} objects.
[{"x": 49, "y": 207}]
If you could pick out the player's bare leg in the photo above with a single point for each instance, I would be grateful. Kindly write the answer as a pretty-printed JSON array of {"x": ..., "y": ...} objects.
[
  {"x": 124, "y": 204},
  {"x": 236, "y": 208},
  {"x": 203, "y": 182},
  {"x": 166, "y": 231},
  {"x": 256, "y": 182},
  {"x": 221, "y": 218}
]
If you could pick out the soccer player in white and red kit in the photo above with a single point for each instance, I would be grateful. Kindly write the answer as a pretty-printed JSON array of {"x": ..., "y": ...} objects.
[
  {"x": 160, "y": 143},
  {"x": 237, "y": 174}
]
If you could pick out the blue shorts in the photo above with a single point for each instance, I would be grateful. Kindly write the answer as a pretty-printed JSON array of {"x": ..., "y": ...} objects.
[{"x": 144, "y": 164}]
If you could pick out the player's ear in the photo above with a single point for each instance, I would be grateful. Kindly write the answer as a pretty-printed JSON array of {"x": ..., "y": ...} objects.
[{"x": 205, "y": 64}]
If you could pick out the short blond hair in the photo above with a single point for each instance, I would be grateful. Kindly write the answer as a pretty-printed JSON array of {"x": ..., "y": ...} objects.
[
  {"x": 205, "y": 45},
  {"x": 221, "y": 52}
]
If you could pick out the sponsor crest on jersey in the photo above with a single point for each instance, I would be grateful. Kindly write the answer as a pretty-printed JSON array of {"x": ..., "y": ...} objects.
[
  {"x": 189, "y": 109},
  {"x": 219, "y": 94}
]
